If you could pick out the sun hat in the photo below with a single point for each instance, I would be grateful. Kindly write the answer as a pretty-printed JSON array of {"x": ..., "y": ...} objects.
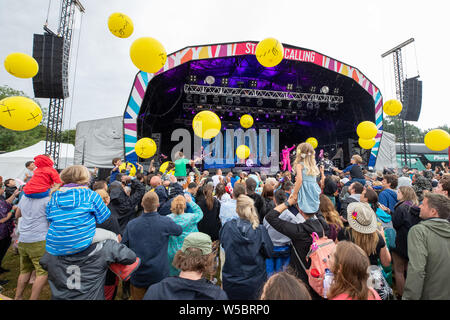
[
  {"x": 198, "y": 240},
  {"x": 361, "y": 217}
]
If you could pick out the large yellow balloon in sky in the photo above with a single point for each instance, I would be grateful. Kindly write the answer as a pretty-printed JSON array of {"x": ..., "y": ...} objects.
[
  {"x": 21, "y": 65},
  {"x": 392, "y": 107},
  {"x": 366, "y": 143},
  {"x": 269, "y": 52},
  {"x": 19, "y": 113},
  {"x": 120, "y": 25},
  {"x": 242, "y": 152},
  {"x": 437, "y": 140},
  {"x": 246, "y": 121},
  {"x": 206, "y": 124},
  {"x": 148, "y": 54},
  {"x": 145, "y": 148},
  {"x": 367, "y": 130},
  {"x": 312, "y": 141}
]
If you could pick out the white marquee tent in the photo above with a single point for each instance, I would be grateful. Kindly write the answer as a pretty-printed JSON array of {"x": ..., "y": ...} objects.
[{"x": 12, "y": 164}]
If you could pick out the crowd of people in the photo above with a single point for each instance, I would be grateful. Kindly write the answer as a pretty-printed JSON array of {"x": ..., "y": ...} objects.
[{"x": 313, "y": 232}]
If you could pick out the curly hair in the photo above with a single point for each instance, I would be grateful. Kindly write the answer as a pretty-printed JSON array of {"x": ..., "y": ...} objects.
[{"x": 193, "y": 260}]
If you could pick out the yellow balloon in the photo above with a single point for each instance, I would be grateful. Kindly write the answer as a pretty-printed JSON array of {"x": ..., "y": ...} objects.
[
  {"x": 19, "y": 113},
  {"x": 164, "y": 166},
  {"x": 246, "y": 121},
  {"x": 312, "y": 141},
  {"x": 437, "y": 140},
  {"x": 242, "y": 152},
  {"x": 392, "y": 107},
  {"x": 367, "y": 130},
  {"x": 148, "y": 54},
  {"x": 132, "y": 170},
  {"x": 21, "y": 65},
  {"x": 120, "y": 25},
  {"x": 206, "y": 124},
  {"x": 269, "y": 52},
  {"x": 145, "y": 148},
  {"x": 366, "y": 143}
]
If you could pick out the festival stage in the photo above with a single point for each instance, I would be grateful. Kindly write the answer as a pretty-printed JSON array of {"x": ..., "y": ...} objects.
[{"x": 307, "y": 95}]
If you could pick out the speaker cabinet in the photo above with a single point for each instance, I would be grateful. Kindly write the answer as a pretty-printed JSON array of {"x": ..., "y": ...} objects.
[{"x": 412, "y": 99}]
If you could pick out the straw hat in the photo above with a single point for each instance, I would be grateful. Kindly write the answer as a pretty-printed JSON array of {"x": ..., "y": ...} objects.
[{"x": 361, "y": 217}]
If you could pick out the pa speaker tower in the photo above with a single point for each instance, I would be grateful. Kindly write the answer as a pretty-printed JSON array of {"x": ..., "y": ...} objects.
[
  {"x": 52, "y": 78},
  {"x": 412, "y": 99}
]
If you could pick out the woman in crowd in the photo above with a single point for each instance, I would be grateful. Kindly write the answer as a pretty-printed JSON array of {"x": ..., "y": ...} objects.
[
  {"x": 284, "y": 286},
  {"x": 405, "y": 215},
  {"x": 267, "y": 194},
  {"x": 210, "y": 206},
  {"x": 187, "y": 220},
  {"x": 221, "y": 194},
  {"x": 331, "y": 216},
  {"x": 247, "y": 245},
  {"x": 349, "y": 264}
]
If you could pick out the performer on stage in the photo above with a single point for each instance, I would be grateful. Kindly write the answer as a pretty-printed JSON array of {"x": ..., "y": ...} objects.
[{"x": 286, "y": 159}]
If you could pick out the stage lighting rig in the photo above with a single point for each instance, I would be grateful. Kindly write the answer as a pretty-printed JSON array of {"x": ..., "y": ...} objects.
[
  {"x": 279, "y": 104},
  {"x": 225, "y": 81},
  {"x": 192, "y": 78},
  {"x": 289, "y": 87},
  {"x": 324, "y": 90},
  {"x": 253, "y": 84},
  {"x": 203, "y": 99},
  {"x": 229, "y": 100}
]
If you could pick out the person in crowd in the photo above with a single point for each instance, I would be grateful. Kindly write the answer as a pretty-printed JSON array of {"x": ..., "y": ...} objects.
[
  {"x": 117, "y": 162},
  {"x": 30, "y": 167},
  {"x": 330, "y": 188},
  {"x": 245, "y": 242},
  {"x": 221, "y": 194},
  {"x": 331, "y": 216},
  {"x": 284, "y": 286},
  {"x": 192, "y": 190},
  {"x": 349, "y": 264},
  {"x": 10, "y": 187},
  {"x": 355, "y": 190},
  {"x": 228, "y": 209},
  {"x": 388, "y": 197},
  {"x": 421, "y": 185},
  {"x": 405, "y": 216},
  {"x": 306, "y": 190},
  {"x": 281, "y": 244},
  {"x": 7, "y": 214},
  {"x": 195, "y": 259},
  {"x": 174, "y": 189},
  {"x": 300, "y": 235},
  {"x": 217, "y": 178},
  {"x": 404, "y": 179},
  {"x": 188, "y": 222},
  {"x": 443, "y": 186},
  {"x": 429, "y": 252},
  {"x": 159, "y": 189},
  {"x": 148, "y": 236},
  {"x": 81, "y": 276},
  {"x": 44, "y": 178},
  {"x": 180, "y": 166},
  {"x": 287, "y": 187},
  {"x": 210, "y": 206},
  {"x": 363, "y": 230},
  {"x": 267, "y": 195},
  {"x": 250, "y": 185},
  {"x": 100, "y": 184},
  {"x": 354, "y": 170}
]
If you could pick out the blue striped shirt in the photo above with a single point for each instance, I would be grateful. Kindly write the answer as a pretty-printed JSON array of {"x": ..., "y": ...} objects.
[{"x": 72, "y": 214}]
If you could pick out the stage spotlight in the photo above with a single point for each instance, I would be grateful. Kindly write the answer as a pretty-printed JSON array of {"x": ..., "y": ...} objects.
[
  {"x": 267, "y": 116},
  {"x": 260, "y": 111},
  {"x": 225, "y": 82},
  {"x": 312, "y": 89},
  {"x": 253, "y": 84},
  {"x": 281, "y": 117},
  {"x": 279, "y": 104},
  {"x": 229, "y": 100},
  {"x": 230, "y": 114},
  {"x": 192, "y": 78},
  {"x": 310, "y": 106},
  {"x": 259, "y": 102},
  {"x": 336, "y": 91},
  {"x": 216, "y": 99},
  {"x": 324, "y": 90},
  {"x": 210, "y": 80},
  {"x": 203, "y": 99},
  {"x": 237, "y": 100},
  {"x": 189, "y": 98},
  {"x": 290, "y": 86}
]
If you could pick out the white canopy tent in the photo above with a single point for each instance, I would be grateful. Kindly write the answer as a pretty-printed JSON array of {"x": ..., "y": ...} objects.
[{"x": 12, "y": 164}]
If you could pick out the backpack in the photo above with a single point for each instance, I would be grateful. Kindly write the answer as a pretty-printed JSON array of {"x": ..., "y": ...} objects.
[{"x": 319, "y": 253}]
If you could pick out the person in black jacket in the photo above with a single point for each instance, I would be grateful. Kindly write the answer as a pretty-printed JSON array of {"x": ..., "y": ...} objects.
[
  {"x": 210, "y": 224},
  {"x": 300, "y": 235},
  {"x": 405, "y": 215},
  {"x": 259, "y": 201}
]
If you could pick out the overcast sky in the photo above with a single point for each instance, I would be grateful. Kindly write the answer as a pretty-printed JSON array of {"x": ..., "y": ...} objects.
[{"x": 354, "y": 32}]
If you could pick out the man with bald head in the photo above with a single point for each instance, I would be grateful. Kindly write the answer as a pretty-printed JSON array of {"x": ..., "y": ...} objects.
[
  {"x": 159, "y": 189},
  {"x": 148, "y": 236}
]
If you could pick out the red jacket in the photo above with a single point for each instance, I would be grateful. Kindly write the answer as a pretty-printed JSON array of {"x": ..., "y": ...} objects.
[{"x": 44, "y": 176}]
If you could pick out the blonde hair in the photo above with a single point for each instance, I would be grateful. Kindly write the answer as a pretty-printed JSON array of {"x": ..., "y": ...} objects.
[
  {"x": 103, "y": 194},
  {"x": 366, "y": 241},
  {"x": 357, "y": 158},
  {"x": 306, "y": 154},
  {"x": 246, "y": 210},
  {"x": 76, "y": 174},
  {"x": 178, "y": 205},
  {"x": 408, "y": 194}
]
